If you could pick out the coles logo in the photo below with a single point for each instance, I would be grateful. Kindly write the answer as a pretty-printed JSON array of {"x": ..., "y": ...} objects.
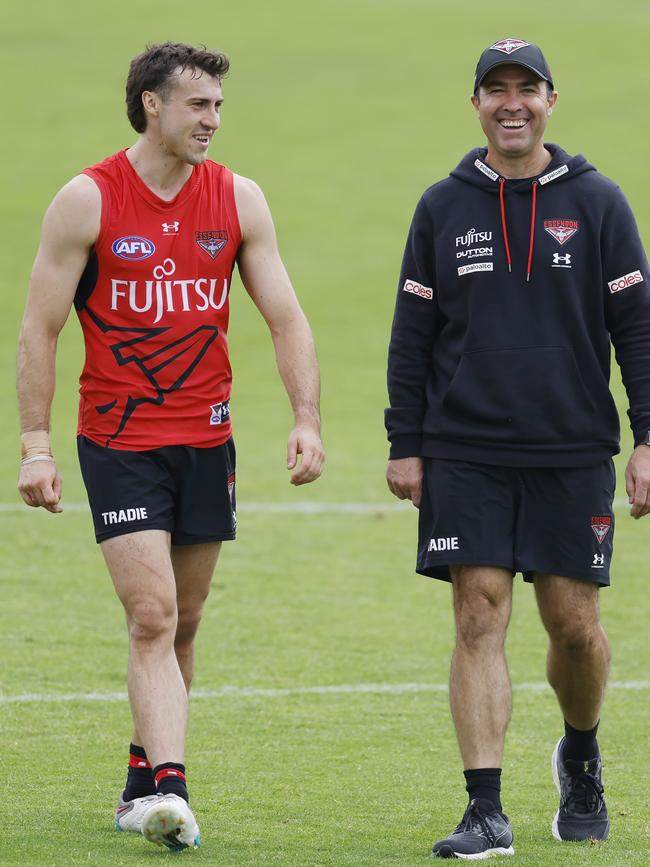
[
  {"x": 133, "y": 247},
  {"x": 627, "y": 280},
  {"x": 417, "y": 289}
]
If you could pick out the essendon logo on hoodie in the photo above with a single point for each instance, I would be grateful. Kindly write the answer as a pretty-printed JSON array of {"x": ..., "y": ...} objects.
[{"x": 561, "y": 230}]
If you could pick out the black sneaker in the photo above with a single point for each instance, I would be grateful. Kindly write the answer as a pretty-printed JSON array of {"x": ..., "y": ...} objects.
[
  {"x": 481, "y": 833},
  {"x": 582, "y": 814}
]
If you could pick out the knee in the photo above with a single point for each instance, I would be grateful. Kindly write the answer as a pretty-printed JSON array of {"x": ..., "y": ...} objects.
[
  {"x": 481, "y": 617},
  {"x": 189, "y": 619},
  {"x": 573, "y": 635},
  {"x": 152, "y": 621}
]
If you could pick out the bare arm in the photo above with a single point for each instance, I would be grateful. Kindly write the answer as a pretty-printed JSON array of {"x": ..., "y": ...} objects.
[
  {"x": 268, "y": 284},
  {"x": 70, "y": 228}
]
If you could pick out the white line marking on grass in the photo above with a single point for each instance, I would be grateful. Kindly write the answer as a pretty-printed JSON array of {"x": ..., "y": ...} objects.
[
  {"x": 302, "y": 508},
  {"x": 305, "y": 508},
  {"x": 261, "y": 692},
  {"x": 21, "y": 507}
]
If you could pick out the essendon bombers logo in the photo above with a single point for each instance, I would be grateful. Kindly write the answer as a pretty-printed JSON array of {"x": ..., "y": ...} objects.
[
  {"x": 508, "y": 46},
  {"x": 561, "y": 230},
  {"x": 212, "y": 242},
  {"x": 601, "y": 525}
]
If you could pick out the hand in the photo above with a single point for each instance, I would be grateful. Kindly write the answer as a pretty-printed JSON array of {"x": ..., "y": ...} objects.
[
  {"x": 305, "y": 440},
  {"x": 637, "y": 481},
  {"x": 404, "y": 477},
  {"x": 40, "y": 485}
]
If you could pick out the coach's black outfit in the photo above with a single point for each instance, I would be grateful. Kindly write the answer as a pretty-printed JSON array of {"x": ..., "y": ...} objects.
[{"x": 509, "y": 295}]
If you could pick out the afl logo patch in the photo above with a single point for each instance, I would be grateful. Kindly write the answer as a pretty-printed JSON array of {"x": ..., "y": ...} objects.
[
  {"x": 132, "y": 247},
  {"x": 220, "y": 412}
]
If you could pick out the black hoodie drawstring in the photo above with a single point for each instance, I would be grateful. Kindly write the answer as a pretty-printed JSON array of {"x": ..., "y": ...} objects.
[{"x": 504, "y": 226}]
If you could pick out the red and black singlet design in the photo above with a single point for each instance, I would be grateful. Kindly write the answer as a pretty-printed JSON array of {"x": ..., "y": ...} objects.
[{"x": 153, "y": 306}]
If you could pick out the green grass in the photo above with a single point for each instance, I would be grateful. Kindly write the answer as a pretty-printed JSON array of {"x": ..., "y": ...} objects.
[
  {"x": 344, "y": 113},
  {"x": 327, "y": 779}
]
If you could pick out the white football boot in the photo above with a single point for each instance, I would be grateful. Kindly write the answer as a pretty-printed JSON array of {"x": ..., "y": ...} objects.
[
  {"x": 168, "y": 821},
  {"x": 128, "y": 815}
]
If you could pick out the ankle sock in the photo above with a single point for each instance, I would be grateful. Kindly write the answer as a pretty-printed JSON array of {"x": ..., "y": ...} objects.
[
  {"x": 484, "y": 783},
  {"x": 170, "y": 779},
  {"x": 139, "y": 778},
  {"x": 579, "y": 745}
]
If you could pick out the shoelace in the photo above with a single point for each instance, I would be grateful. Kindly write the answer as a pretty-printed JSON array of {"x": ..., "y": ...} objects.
[
  {"x": 586, "y": 794},
  {"x": 473, "y": 817}
]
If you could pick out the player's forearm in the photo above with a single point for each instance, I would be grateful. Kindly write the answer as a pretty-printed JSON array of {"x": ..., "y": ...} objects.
[
  {"x": 296, "y": 358},
  {"x": 35, "y": 379}
]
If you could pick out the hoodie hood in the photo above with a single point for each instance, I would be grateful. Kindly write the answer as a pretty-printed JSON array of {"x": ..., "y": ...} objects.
[{"x": 473, "y": 169}]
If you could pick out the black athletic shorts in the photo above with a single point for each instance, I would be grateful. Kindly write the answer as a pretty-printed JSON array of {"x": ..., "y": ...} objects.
[
  {"x": 188, "y": 491},
  {"x": 558, "y": 521}
]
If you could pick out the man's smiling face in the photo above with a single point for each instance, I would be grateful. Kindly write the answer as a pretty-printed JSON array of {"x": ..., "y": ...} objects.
[{"x": 513, "y": 105}]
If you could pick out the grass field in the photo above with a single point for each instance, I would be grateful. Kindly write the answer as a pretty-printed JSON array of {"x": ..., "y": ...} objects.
[{"x": 343, "y": 112}]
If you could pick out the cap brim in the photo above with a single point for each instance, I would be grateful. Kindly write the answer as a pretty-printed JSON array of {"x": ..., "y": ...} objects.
[{"x": 511, "y": 62}]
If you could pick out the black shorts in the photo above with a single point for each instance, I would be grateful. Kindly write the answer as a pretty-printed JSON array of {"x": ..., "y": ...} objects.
[
  {"x": 188, "y": 491},
  {"x": 558, "y": 521}
]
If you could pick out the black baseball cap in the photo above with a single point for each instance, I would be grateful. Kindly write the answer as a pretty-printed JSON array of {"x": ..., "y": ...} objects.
[{"x": 512, "y": 51}]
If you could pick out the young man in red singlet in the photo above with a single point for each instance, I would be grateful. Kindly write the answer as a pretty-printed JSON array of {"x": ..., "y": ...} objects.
[{"x": 144, "y": 245}]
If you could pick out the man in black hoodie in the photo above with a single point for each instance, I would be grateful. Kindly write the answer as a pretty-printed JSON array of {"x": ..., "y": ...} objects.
[{"x": 518, "y": 270}]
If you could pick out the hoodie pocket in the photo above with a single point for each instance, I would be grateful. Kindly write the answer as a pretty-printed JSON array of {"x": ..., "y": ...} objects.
[{"x": 525, "y": 395}]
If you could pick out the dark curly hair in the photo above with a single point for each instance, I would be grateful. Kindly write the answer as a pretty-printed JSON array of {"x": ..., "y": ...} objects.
[{"x": 153, "y": 69}]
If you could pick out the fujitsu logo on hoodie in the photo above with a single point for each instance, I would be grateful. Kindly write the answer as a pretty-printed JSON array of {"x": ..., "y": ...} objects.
[{"x": 473, "y": 237}]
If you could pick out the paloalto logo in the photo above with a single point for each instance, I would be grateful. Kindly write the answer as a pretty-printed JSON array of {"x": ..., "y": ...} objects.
[{"x": 167, "y": 296}]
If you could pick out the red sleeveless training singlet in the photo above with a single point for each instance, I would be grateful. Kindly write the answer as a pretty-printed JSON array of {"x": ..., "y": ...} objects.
[{"x": 153, "y": 307}]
